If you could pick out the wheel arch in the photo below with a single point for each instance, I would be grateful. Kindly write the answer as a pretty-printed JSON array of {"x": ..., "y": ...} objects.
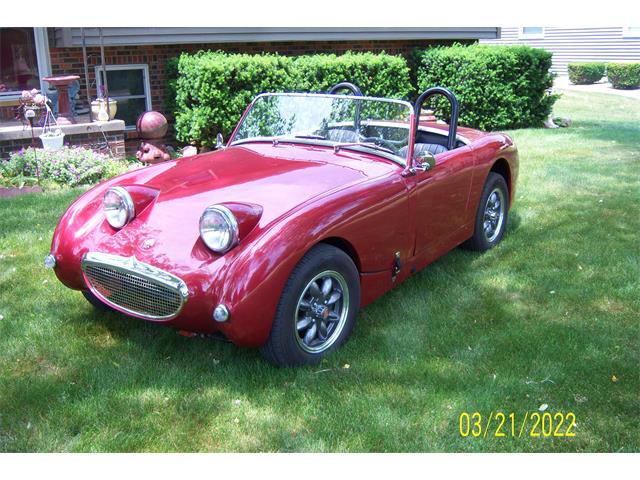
[
  {"x": 501, "y": 167},
  {"x": 344, "y": 245}
]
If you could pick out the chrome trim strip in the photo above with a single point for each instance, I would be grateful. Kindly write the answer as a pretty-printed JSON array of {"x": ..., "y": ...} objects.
[{"x": 132, "y": 266}]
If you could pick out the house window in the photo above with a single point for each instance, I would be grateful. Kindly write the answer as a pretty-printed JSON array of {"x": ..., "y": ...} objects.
[
  {"x": 129, "y": 85},
  {"x": 18, "y": 61},
  {"x": 532, "y": 32},
  {"x": 633, "y": 32}
]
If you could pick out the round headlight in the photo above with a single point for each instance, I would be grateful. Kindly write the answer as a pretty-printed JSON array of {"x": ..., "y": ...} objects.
[
  {"x": 118, "y": 207},
  {"x": 219, "y": 228}
]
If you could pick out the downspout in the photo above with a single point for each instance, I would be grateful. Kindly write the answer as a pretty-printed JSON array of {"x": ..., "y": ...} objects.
[
  {"x": 104, "y": 70},
  {"x": 86, "y": 68}
]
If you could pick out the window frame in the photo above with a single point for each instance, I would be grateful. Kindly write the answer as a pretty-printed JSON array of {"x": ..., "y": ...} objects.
[
  {"x": 530, "y": 36},
  {"x": 43, "y": 60},
  {"x": 145, "y": 82}
]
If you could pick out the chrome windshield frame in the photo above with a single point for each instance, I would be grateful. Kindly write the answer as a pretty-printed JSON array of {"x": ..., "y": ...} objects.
[{"x": 405, "y": 162}]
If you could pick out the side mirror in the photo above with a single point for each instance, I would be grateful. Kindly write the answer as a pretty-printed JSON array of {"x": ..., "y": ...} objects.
[
  {"x": 425, "y": 162},
  {"x": 219, "y": 141}
]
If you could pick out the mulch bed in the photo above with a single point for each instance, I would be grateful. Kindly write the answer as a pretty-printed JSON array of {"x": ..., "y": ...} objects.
[{"x": 6, "y": 192}]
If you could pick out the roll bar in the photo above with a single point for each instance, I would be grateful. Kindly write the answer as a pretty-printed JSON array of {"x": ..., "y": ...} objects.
[
  {"x": 351, "y": 86},
  {"x": 356, "y": 92},
  {"x": 455, "y": 109}
]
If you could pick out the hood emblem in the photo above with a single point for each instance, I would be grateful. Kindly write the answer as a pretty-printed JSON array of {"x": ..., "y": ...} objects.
[{"x": 148, "y": 243}]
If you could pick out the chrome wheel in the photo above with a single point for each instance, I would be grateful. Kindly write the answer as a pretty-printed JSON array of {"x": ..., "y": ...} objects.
[
  {"x": 322, "y": 311},
  {"x": 493, "y": 215}
]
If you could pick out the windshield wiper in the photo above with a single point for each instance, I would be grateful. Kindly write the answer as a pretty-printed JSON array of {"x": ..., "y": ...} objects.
[
  {"x": 312, "y": 137},
  {"x": 338, "y": 146},
  {"x": 290, "y": 137}
]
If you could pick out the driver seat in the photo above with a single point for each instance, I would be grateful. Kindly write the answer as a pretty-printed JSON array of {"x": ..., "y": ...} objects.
[
  {"x": 342, "y": 136},
  {"x": 419, "y": 148}
]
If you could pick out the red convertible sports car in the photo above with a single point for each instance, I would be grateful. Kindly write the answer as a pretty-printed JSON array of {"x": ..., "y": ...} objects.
[{"x": 317, "y": 205}]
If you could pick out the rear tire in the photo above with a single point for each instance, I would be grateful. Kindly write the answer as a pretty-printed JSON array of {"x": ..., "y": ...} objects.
[
  {"x": 317, "y": 308},
  {"x": 491, "y": 216}
]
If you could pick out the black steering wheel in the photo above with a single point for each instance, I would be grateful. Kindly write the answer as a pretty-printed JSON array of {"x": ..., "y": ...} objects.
[{"x": 382, "y": 142}]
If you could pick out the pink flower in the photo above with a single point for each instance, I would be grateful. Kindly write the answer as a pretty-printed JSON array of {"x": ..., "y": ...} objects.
[
  {"x": 26, "y": 95},
  {"x": 39, "y": 99},
  {"x": 34, "y": 91}
]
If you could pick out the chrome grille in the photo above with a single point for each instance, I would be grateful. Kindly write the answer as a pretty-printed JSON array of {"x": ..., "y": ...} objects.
[{"x": 135, "y": 287}]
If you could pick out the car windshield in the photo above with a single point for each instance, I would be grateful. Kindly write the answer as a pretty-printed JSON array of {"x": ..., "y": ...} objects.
[{"x": 373, "y": 125}]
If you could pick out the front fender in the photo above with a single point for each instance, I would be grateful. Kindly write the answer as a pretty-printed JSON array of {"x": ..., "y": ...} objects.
[
  {"x": 83, "y": 224},
  {"x": 372, "y": 217}
]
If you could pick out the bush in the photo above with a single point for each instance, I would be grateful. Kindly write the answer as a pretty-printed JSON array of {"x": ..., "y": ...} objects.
[
  {"x": 67, "y": 167},
  {"x": 171, "y": 71},
  {"x": 497, "y": 86},
  {"x": 212, "y": 89},
  {"x": 585, "y": 73},
  {"x": 624, "y": 75},
  {"x": 377, "y": 75}
]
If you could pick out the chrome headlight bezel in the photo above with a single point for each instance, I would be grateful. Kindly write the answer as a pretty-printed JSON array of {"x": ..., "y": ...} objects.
[
  {"x": 125, "y": 204},
  {"x": 228, "y": 219}
]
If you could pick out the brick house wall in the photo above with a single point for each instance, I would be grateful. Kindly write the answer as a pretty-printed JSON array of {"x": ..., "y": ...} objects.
[{"x": 68, "y": 60}]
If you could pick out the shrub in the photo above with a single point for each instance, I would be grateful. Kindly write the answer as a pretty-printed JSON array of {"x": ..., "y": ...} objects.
[
  {"x": 497, "y": 86},
  {"x": 212, "y": 89},
  {"x": 69, "y": 166},
  {"x": 624, "y": 75},
  {"x": 585, "y": 73},
  {"x": 171, "y": 71},
  {"x": 377, "y": 75}
]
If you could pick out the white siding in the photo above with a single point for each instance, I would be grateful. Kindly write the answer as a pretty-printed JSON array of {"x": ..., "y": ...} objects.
[{"x": 605, "y": 44}]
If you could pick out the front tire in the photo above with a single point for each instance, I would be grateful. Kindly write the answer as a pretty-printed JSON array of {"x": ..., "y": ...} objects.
[
  {"x": 317, "y": 308},
  {"x": 95, "y": 301},
  {"x": 491, "y": 216}
]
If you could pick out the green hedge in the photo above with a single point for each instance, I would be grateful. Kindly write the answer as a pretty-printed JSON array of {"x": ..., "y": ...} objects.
[
  {"x": 624, "y": 75},
  {"x": 585, "y": 73},
  {"x": 497, "y": 86},
  {"x": 377, "y": 75},
  {"x": 212, "y": 89}
]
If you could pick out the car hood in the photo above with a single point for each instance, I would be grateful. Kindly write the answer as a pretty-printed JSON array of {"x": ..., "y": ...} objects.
[{"x": 272, "y": 177}]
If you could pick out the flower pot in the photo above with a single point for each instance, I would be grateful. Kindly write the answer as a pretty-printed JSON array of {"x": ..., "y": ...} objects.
[
  {"x": 95, "y": 108},
  {"x": 52, "y": 141}
]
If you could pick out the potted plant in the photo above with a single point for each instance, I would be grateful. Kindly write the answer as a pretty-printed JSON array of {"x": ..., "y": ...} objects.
[{"x": 99, "y": 107}]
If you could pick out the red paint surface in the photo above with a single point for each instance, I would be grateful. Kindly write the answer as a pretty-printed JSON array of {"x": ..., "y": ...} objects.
[{"x": 287, "y": 198}]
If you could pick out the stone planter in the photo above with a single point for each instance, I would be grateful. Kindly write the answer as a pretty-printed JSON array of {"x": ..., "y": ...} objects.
[{"x": 95, "y": 108}]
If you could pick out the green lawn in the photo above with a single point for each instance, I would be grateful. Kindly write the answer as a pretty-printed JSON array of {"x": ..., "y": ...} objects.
[{"x": 548, "y": 317}]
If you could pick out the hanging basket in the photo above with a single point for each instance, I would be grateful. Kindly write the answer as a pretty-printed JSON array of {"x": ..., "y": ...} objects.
[{"x": 52, "y": 140}]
